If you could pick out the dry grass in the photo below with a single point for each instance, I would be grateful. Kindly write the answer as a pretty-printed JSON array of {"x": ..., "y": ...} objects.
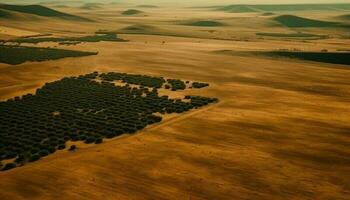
[{"x": 280, "y": 130}]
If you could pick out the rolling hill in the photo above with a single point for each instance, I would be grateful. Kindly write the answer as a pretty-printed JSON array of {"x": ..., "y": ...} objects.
[
  {"x": 40, "y": 11},
  {"x": 237, "y": 8},
  {"x": 142, "y": 28},
  {"x": 5, "y": 14},
  {"x": 283, "y": 7},
  {"x": 147, "y": 6},
  {"x": 344, "y": 17},
  {"x": 91, "y": 6},
  {"x": 204, "y": 23},
  {"x": 293, "y": 21},
  {"x": 131, "y": 12}
]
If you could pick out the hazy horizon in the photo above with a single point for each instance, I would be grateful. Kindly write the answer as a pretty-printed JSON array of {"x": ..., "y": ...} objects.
[{"x": 181, "y": 2}]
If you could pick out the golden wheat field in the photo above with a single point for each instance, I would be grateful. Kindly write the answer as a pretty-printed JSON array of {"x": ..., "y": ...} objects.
[{"x": 280, "y": 129}]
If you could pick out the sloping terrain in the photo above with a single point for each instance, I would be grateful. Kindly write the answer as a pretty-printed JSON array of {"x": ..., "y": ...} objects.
[
  {"x": 303, "y": 7},
  {"x": 91, "y": 6},
  {"x": 284, "y": 7},
  {"x": 5, "y": 14},
  {"x": 278, "y": 132},
  {"x": 299, "y": 22},
  {"x": 139, "y": 28},
  {"x": 344, "y": 17},
  {"x": 14, "y": 32},
  {"x": 40, "y": 10},
  {"x": 237, "y": 9}
]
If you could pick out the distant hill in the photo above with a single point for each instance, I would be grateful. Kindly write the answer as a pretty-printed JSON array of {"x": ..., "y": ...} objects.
[
  {"x": 299, "y": 22},
  {"x": 139, "y": 28},
  {"x": 204, "y": 23},
  {"x": 40, "y": 11},
  {"x": 147, "y": 6},
  {"x": 5, "y": 14},
  {"x": 238, "y": 8},
  {"x": 268, "y": 14},
  {"x": 283, "y": 7},
  {"x": 131, "y": 12},
  {"x": 344, "y": 17},
  {"x": 302, "y": 7},
  {"x": 91, "y": 6}
]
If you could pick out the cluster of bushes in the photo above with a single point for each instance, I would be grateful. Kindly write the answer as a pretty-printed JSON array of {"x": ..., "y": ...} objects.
[
  {"x": 89, "y": 38},
  {"x": 143, "y": 80},
  {"x": 199, "y": 85},
  {"x": 198, "y": 101},
  {"x": 176, "y": 84},
  {"x": 79, "y": 109},
  {"x": 92, "y": 75},
  {"x": 149, "y": 81},
  {"x": 15, "y": 55}
]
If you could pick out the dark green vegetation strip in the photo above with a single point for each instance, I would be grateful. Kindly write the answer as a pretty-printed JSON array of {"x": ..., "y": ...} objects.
[
  {"x": 16, "y": 54},
  {"x": 326, "y": 57},
  {"x": 299, "y": 22},
  {"x": 204, "y": 23},
  {"x": 90, "y": 38},
  {"x": 237, "y": 8},
  {"x": 131, "y": 12},
  {"x": 80, "y": 109},
  {"x": 344, "y": 17},
  {"x": 40, "y": 11},
  {"x": 5, "y": 14}
]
